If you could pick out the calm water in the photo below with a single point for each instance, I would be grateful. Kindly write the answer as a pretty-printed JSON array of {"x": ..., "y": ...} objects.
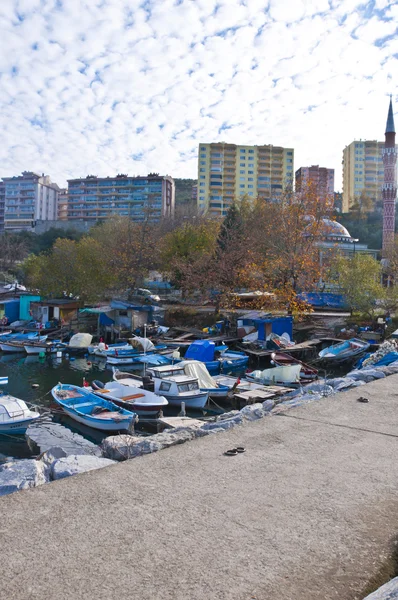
[{"x": 55, "y": 430}]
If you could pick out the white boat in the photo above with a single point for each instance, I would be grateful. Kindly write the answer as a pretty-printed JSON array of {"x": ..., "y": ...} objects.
[
  {"x": 18, "y": 345},
  {"x": 47, "y": 347},
  {"x": 171, "y": 382},
  {"x": 289, "y": 375},
  {"x": 15, "y": 415},
  {"x": 139, "y": 400},
  {"x": 207, "y": 383}
]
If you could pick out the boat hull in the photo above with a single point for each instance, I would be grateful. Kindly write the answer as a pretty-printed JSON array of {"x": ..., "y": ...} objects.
[
  {"x": 195, "y": 401},
  {"x": 10, "y": 348},
  {"x": 38, "y": 350},
  {"x": 96, "y": 423},
  {"x": 17, "y": 427}
]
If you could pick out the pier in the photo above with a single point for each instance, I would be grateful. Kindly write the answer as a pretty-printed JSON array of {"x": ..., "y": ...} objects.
[{"x": 307, "y": 512}]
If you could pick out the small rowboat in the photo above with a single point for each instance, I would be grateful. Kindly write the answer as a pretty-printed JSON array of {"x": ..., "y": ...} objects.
[
  {"x": 307, "y": 373},
  {"x": 346, "y": 351},
  {"x": 85, "y": 407},
  {"x": 141, "y": 401}
]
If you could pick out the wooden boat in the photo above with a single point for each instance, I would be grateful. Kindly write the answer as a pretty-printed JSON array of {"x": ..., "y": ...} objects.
[
  {"x": 15, "y": 415},
  {"x": 307, "y": 372},
  {"x": 169, "y": 381},
  {"x": 346, "y": 351},
  {"x": 18, "y": 345},
  {"x": 85, "y": 407},
  {"x": 48, "y": 347},
  {"x": 216, "y": 358},
  {"x": 194, "y": 368},
  {"x": 137, "y": 399},
  {"x": 287, "y": 375}
]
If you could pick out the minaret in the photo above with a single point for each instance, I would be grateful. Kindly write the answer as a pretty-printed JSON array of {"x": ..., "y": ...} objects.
[{"x": 389, "y": 187}]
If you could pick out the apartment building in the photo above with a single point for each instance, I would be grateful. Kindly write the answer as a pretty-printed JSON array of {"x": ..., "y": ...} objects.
[
  {"x": 63, "y": 204},
  {"x": 321, "y": 178},
  {"x": 227, "y": 172},
  {"x": 27, "y": 198},
  {"x": 97, "y": 198},
  {"x": 2, "y": 203},
  {"x": 363, "y": 172}
]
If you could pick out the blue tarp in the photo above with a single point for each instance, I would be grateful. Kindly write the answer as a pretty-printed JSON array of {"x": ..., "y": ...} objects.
[{"x": 324, "y": 300}]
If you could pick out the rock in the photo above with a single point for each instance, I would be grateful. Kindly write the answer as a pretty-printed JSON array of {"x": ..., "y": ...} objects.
[
  {"x": 123, "y": 447},
  {"x": 252, "y": 412},
  {"x": 77, "y": 463},
  {"x": 227, "y": 415},
  {"x": 225, "y": 424},
  {"x": 52, "y": 454},
  {"x": 268, "y": 405},
  {"x": 22, "y": 475},
  {"x": 366, "y": 375},
  {"x": 389, "y": 591},
  {"x": 299, "y": 400},
  {"x": 318, "y": 387}
]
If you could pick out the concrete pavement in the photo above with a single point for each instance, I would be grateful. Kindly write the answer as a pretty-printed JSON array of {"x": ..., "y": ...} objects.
[{"x": 308, "y": 512}]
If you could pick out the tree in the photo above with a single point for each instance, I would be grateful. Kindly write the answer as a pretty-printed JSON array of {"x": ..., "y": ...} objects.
[
  {"x": 12, "y": 250},
  {"x": 359, "y": 279}
]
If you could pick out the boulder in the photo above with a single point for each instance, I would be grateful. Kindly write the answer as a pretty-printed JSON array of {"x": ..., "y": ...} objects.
[
  {"x": 77, "y": 463},
  {"x": 340, "y": 383},
  {"x": 22, "y": 475},
  {"x": 389, "y": 591},
  {"x": 366, "y": 375},
  {"x": 224, "y": 424},
  {"x": 122, "y": 447},
  {"x": 253, "y": 412},
  {"x": 52, "y": 454},
  {"x": 317, "y": 387},
  {"x": 268, "y": 405}
]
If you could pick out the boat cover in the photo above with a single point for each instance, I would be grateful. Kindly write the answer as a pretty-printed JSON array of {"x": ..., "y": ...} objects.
[
  {"x": 287, "y": 374},
  {"x": 141, "y": 344},
  {"x": 196, "y": 369},
  {"x": 80, "y": 340}
]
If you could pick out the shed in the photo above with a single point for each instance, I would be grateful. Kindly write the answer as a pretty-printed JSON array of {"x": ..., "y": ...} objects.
[
  {"x": 10, "y": 309},
  {"x": 63, "y": 310},
  {"x": 278, "y": 325},
  {"x": 24, "y": 306}
]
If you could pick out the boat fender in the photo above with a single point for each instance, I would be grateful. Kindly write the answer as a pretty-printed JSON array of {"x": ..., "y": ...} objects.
[{"x": 97, "y": 385}]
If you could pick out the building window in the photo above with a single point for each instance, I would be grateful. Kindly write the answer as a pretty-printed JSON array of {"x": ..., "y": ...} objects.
[
  {"x": 250, "y": 185},
  {"x": 242, "y": 150},
  {"x": 242, "y": 185},
  {"x": 251, "y": 172},
  {"x": 250, "y": 193},
  {"x": 242, "y": 178},
  {"x": 201, "y": 170},
  {"x": 251, "y": 151},
  {"x": 251, "y": 165},
  {"x": 250, "y": 179},
  {"x": 242, "y": 164},
  {"x": 202, "y": 162},
  {"x": 289, "y": 153}
]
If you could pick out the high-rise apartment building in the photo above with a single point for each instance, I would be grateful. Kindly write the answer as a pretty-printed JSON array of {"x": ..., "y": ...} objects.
[
  {"x": 29, "y": 197},
  {"x": 321, "y": 178},
  {"x": 63, "y": 205},
  {"x": 363, "y": 172},
  {"x": 227, "y": 172},
  {"x": 2, "y": 203},
  {"x": 140, "y": 198}
]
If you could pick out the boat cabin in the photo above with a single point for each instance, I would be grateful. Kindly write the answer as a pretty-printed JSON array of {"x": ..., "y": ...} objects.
[
  {"x": 173, "y": 381},
  {"x": 203, "y": 350}
]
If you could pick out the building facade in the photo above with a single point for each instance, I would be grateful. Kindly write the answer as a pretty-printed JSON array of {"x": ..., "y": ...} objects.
[
  {"x": 363, "y": 173},
  {"x": 2, "y": 204},
  {"x": 389, "y": 188},
  {"x": 27, "y": 198},
  {"x": 227, "y": 172},
  {"x": 140, "y": 198},
  {"x": 63, "y": 205},
  {"x": 321, "y": 178}
]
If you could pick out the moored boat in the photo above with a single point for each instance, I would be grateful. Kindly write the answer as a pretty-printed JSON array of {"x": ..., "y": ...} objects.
[
  {"x": 46, "y": 347},
  {"x": 171, "y": 382},
  {"x": 18, "y": 345},
  {"x": 137, "y": 399},
  {"x": 194, "y": 368},
  {"x": 346, "y": 351},
  {"x": 85, "y": 407},
  {"x": 287, "y": 375},
  {"x": 15, "y": 415},
  {"x": 307, "y": 372}
]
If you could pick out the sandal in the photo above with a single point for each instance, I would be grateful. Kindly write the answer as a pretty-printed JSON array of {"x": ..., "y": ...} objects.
[
  {"x": 240, "y": 449},
  {"x": 232, "y": 452},
  {"x": 362, "y": 399}
]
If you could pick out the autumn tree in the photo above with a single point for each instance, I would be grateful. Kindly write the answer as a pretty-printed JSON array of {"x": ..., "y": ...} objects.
[{"x": 13, "y": 250}]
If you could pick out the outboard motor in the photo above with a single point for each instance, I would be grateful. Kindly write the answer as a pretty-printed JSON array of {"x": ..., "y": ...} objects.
[{"x": 97, "y": 385}]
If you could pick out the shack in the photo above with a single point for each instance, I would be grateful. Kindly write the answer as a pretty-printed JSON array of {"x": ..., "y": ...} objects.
[
  {"x": 9, "y": 310},
  {"x": 62, "y": 310}
]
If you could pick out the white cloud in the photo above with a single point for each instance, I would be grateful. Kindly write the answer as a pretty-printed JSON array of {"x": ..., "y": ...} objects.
[{"x": 105, "y": 86}]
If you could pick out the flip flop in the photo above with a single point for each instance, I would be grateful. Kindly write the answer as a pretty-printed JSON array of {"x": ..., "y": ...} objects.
[
  {"x": 232, "y": 452},
  {"x": 240, "y": 449},
  {"x": 362, "y": 399}
]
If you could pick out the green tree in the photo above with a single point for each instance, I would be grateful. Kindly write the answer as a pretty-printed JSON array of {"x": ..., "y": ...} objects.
[{"x": 359, "y": 278}]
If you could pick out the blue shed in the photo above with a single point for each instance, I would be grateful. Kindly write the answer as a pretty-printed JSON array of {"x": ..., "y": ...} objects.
[
  {"x": 278, "y": 325},
  {"x": 10, "y": 309},
  {"x": 24, "y": 306},
  {"x": 202, "y": 350}
]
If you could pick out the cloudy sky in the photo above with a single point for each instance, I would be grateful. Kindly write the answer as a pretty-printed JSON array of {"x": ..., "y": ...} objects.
[{"x": 108, "y": 86}]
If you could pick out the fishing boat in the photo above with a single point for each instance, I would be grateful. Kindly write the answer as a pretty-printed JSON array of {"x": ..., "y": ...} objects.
[
  {"x": 137, "y": 399},
  {"x": 85, "y": 407},
  {"x": 287, "y": 375},
  {"x": 48, "y": 347},
  {"x": 194, "y": 368},
  {"x": 16, "y": 345},
  {"x": 169, "y": 381},
  {"x": 15, "y": 415},
  {"x": 307, "y": 372},
  {"x": 346, "y": 351},
  {"x": 217, "y": 359}
]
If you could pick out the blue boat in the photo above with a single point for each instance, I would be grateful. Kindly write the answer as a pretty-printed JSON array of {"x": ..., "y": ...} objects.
[
  {"x": 85, "y": 407},
  {"x": 346, "y": 351},
  {"x": 218, "y": 359}
]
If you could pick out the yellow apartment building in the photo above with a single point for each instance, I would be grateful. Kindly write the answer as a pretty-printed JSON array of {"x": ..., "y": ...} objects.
[
  {"x": 227, "y": 172},
  {"x": 363, "y": 172}
]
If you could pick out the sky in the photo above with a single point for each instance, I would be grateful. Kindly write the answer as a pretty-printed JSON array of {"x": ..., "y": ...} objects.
[{"x": 133, "y": 86}]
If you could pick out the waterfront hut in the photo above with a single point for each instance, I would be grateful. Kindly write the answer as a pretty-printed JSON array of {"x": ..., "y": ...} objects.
[
  {"x": 130, "y": 316},
  {"x": 9, "y": 310},
  {"x": 63, "y": 310},
  {"x": 265, "y": 324}
]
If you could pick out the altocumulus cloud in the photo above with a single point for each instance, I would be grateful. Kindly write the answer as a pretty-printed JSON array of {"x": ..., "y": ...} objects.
[{"x": 105, "y": 86}]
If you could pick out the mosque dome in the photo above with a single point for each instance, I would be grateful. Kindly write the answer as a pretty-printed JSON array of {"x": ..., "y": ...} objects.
[{"x": 335, "y": 231}]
